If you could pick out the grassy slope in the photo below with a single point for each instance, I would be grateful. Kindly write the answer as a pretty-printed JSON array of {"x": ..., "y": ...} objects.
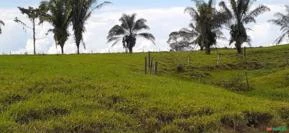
[{"x": 110, "y": 93}]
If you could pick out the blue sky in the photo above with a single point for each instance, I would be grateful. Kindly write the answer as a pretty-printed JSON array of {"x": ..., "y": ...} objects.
[{"x": 164, "y": 17}]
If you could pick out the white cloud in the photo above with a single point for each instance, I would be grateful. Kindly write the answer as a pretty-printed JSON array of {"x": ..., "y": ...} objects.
[{"x": 161, "y": 20}]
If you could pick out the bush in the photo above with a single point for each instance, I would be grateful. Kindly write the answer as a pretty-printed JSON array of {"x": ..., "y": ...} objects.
[{"x": 180, "y": 68}]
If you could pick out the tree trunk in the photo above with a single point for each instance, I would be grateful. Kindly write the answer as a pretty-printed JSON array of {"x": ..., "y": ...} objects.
[
  {"x": 78, "y": 49},
  {"x": 62, "y": 50},
  {"x": 239, "y": 47},
  {"x": 34, "y": 38},
  {"x": 208, "y": 49},
  {"x": 130, "y": 50},
  {"x": 202, "y": 48}
]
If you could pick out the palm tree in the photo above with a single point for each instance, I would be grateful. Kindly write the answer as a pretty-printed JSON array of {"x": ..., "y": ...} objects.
[
  {"x": 128, "y": 31},
  {"x": 32, "y": 14},
  {"x": 282, "y": 20},
  {"x": 208, "y": 22},
  {"x": 1, "y": 23},
  {"x": 241, "y": 14},
  {"x": 81, "y": 11},
  {"x": 58, "y": 13}
]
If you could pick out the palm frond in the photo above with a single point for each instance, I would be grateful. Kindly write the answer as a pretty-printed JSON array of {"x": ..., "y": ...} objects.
[
  {"x": 255, "y": 13},
  {"x": 281, "y": 38},
  {"x": 147, "y": 36},
  {"x": 140, "y": 24},
  {"x": 223, "y": 5},
  {"x": 1, "y": 23},
  {"x": 249, "y": 19},
  {"x": 193, "y": 12},
  {"x": 234, "y": 8},
  {"x": 282, "y": 20},
  {"x": 198, "y": 2},
  {"x": 101, "y": 5},
  {"x": 115, "y": 40},
  {"x": 117, "y": 30}
]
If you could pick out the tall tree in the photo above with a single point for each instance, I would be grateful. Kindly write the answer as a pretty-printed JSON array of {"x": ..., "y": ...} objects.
[
  {"x": 128, "y": 31},
  {"x": 81, "y": 11},
  {"x": 282, "y": 20},
  {"x": 240, "y": 12},
  {"x": 58, "y": 13},
  {"x": 183, "y": 39},
  {"x": 178, "y": 42},
  {"x": 32, "y": 14},
  {"x": 1, "y": 23},
  {"x": 208, "y": 22}
]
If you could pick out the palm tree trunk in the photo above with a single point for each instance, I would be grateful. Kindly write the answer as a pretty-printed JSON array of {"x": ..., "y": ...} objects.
[
  {"x": 239, "y": 47},
  {"x": 78, "y": 49},
  {"x": 62, "y": 50},
  {"x": 202, "y": 48},
  {"x": 208, "y": 49},
  {"x": 130, "y": 50},
  {"x": 34, "y": 38}
]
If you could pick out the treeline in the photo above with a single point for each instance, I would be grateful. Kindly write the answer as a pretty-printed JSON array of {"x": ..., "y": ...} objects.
[
  {"x": 209, "y": 21},
  {"x": 207, "y": 25}
]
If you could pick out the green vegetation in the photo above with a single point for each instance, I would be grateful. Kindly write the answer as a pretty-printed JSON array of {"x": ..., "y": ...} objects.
[
  {"x": 128, "y": 32},
  {"x": 33, "y": 14},
  {"x": 81, "y": 11},
  {"x": 58, "y": 14},
  {"x": 282, "y": 21},
  {"x": 241, "y": 13},
  {"x": 111, "y": 93},
  {"x": 207, "y": 24}
]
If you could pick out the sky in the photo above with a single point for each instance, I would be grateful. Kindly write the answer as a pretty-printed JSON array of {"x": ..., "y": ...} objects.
[{"x": 163, "y": 17}]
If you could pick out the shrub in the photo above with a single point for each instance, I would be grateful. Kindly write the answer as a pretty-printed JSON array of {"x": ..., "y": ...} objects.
[{"x": 180, "y": 68}]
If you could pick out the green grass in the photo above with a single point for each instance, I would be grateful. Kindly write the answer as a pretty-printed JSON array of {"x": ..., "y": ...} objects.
[{"x": 111, "y": 93}]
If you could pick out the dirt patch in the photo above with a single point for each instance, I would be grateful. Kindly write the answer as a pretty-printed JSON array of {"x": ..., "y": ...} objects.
[{"x": 28, "y": 116}]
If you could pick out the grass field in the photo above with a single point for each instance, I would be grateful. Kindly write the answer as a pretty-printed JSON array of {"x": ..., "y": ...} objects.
[{"x": 111, "y": 93}]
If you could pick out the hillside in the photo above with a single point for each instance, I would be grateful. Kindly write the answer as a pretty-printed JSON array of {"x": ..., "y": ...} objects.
[{"x": 111, "y": 93}]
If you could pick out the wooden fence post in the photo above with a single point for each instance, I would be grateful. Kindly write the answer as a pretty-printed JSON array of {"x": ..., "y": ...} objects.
[
  {"x": 151, "y": 65},
  {"x": 245, "y": 54},
  {"x": 156, "y": 68},
  {"x": 146, "y": 65},
  {"x": 219, "y": 59}
]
